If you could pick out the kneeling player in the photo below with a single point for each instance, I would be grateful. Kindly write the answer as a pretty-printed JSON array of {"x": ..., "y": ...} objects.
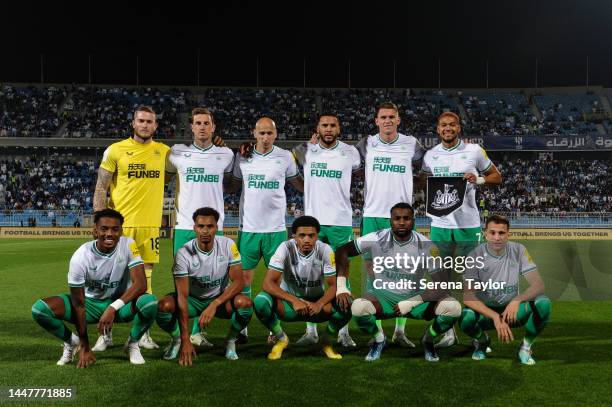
[
  {"x": 202, "y": 270},
  {"x": 395, "y": 290},
  {"x": 491, "y": 293},
  {"x": 107, "y": 284},
  {"x": 294, "y": 287}
]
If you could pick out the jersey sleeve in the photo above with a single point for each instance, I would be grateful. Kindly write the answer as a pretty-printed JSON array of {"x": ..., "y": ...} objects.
[
  {"x": 419, "y": 151},
  {"x": 365, "y": 243},
  {"x": 329, "y": 262},
  {"x": 230, "y": 162},
  {"x": 277, "y": 262},
  {"x": 483, "y": 163},
  {"x": 109, "y": 159},
  {"x": 526, "y": 262},
  {"x": 77, "y": 271},
  {"x": 180, "y": 268},
  {"x": 292, "y": 170},
  {"x": 356, "y": 162},
  {"x": 134, "y": 258},
  {"x": 234, "y": 254},
  {"x": 170, "y": 166},
  {"x": 237, "y": 172},
  {"x": 425, "y": 166},
  {"x": 472, "y": 273}
]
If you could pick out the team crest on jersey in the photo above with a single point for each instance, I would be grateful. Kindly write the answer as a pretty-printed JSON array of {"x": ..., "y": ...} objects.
[
  {"x": 445, "y": 195},
  {"x": 221, "y": 258}
]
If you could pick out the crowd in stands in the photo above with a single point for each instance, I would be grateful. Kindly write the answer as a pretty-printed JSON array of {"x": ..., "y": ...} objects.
[
  {"x": 91, "y": 111},
  {"x": 53, "y": 184},
  {"x": 543, "y": 185}
]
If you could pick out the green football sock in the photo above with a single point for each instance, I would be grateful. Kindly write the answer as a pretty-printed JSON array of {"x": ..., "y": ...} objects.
[
  {"x": 42, "y": 314},
  {"x": 146, "y": 313}
]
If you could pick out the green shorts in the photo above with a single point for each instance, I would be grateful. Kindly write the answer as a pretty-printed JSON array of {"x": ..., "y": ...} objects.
[
  {"x": 95, "y": 308},
  {"x": 292, "y": 316},
  {"x": 336, "y": 236},
  {"x": 254, "y": 246},
  {"x": 196, "y": 306},
  {"x": 369, "y": 225},
  {"x": 182, "y": 236},
  {"x": 455, "y": 242}
]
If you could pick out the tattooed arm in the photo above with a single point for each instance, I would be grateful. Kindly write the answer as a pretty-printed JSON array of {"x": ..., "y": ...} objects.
[{"x": 99, "y": 198}]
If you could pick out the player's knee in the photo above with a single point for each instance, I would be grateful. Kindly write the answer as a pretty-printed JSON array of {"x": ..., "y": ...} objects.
[
  {"x": 147, "y": 305},
  {"x": 40, "y": 310},
  {"x": 449, "y": 307},
  {"x": 166, "y": 304},
  {"x": 543, "y": 305},
  {"x": 467, "y": 319},
  {"x": 362, "y": 307},
  {"x": 262, "y": 303},
  {"x": 242, "y": 301}
]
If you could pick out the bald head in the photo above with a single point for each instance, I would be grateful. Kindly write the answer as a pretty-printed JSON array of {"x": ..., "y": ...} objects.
[{"x": 265, "y": 133}]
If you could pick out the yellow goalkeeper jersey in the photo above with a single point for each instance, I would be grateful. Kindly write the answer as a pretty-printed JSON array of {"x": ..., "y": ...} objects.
[{"x": 137, "y": 186}]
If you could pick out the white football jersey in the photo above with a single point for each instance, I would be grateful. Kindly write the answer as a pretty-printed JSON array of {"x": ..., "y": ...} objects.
[
  {"x": 327, "y": 183},
  {"x": 456, "y": 161},
  {"x": 104, "y": 275},
  {"x": 263, "y": 203},
  {"x": 304, "y": 276},
  {"x": 388, "y": 173},
  {"x": 200, "y": 180},
  {"x": 208, "y": 272}
]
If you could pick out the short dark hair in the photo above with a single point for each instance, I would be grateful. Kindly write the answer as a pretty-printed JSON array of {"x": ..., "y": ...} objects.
[
  {"x": 450, "y": 114},
  {"x": 324, "y": 114},
  {"x": 498, "y": 219},
  {"x": 402, "y": 205},
  {"x": 305, "y": 221},
  {"x": 206, "y": 211},
  {"x": 201, "y": 110},
  {"x": 107, "y": 213},
  {"x": 387, "y": 105}
]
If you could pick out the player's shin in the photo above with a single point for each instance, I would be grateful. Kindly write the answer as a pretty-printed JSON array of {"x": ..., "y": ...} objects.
[
  {"x": 146, "y": 313},
  {"x": 266, "y": 314},
  {"x": 538, "y": 312},
  {"x": 239, "y": 320}
]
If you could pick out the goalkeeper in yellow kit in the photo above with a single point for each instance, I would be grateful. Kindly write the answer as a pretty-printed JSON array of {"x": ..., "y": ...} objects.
[{"x": 134, "y": 169}]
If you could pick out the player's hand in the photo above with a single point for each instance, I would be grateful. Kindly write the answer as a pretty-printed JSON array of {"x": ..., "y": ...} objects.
[
  {"x": 511, "y": 311},
  {"x": 314, "y": 308},
  {"x": 301, "y": 307},
  {"x": 218, "y": 141},
  {"x": 504, "y": 333},
  {"x": 105, "y": 324},
  {"x": 314, "y": 139},
  {"x": 246, "y": 149},
  {"x": 186, "y": 353},
  {"x": 344, "y": 301},
  {"x": 207, "y": 315},
  {"x": 469, "y": 177},
  {"x": 86, "y": 357}
]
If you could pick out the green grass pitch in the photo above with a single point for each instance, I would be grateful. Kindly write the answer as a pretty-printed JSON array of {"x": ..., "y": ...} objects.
[{"x": 573, "y": 353}]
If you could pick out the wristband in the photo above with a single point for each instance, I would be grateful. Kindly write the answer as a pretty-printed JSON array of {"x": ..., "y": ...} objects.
[
  {"x": 341, "y": 286},
  {"x": 480, "y": 180},
  {"x": 117, "y": 304}
]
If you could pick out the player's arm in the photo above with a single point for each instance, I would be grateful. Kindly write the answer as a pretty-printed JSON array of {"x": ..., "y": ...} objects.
[
  {"x": 326, "y": 298},
  {"x": 102, "y": 185},
  {"x": 297, "y": 182},
  {"x": 232, "y": 290},
  {"x": 136, "y": 289},
  {"x": 343, "y": 294},
  {"x": 492, "y": 176},
  {"x": 233, "y": 181},
  {"x": 186, "y": 353},
  {"x": 471, "y": 300},
  {"x": 77, "y": 298},
  {"x": 271, "y": 285}
]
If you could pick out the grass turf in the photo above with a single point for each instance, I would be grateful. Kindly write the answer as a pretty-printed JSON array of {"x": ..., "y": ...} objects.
[{"x": 573, "y": 353}]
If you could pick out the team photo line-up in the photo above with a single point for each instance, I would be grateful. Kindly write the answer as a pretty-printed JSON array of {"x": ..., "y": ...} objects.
[{"x": 307, "y": 276}]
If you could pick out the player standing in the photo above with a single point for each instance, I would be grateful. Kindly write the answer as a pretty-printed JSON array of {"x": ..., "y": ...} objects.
[
  {"x": 459, "y": 232},
  {"x": 201, "y": 168},
  {"x": 134, "y": 171}
]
